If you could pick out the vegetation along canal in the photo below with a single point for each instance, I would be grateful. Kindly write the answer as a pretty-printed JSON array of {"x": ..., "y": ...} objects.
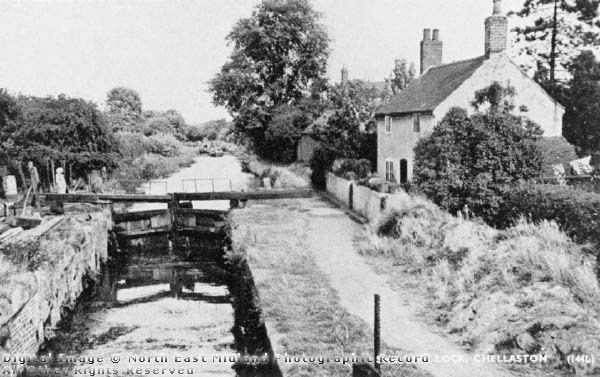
[{"x": 184, "y": 307}]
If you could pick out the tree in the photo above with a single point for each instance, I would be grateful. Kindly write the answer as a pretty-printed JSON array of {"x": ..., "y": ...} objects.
[
  {"x": 279, "y": 54},
  {"x": 350, "y": 129},
  {"x": 169, "y": 122},
  {"x": 124, "y": 109},
  {"x": 11, "y": 153},
  {"x": 63, "y": 129},
  {"x": 552, "y": 32},
  {"x": 472, "y": 160},
  {"x": 582, "y": 118},
  {"x": 402, "y": 75},
  {"x": 284, "y": 131}
]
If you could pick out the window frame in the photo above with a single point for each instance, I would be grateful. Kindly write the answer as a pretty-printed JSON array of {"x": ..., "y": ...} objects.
[
  {"x": 388, "y": 124},
  {"x": 416, "y": 118},
  {"x": 389, "y": 170}
]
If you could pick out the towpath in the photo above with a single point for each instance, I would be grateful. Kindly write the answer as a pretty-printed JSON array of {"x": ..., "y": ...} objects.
[{"x": 330, "y": 238}]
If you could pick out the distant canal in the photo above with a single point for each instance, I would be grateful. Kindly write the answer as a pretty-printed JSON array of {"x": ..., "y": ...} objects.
[
  {"x": 160, "y": 312},
  {"x": 205, "y": 175}
]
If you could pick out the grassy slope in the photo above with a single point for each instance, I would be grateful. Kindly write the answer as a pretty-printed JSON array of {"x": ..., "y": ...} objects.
[
  {"x": 295, "y": 296},
  {"x": 528, "y": 289}
]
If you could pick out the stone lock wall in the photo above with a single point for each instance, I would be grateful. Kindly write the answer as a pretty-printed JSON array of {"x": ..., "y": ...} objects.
[{"x": 41, "y": 286}]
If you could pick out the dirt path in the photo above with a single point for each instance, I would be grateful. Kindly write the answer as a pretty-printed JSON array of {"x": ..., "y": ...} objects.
[{"x": 330, "y": 238}]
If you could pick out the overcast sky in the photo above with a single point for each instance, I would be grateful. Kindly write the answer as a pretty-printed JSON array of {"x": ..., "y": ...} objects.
[{"x": 168, "y": 50}]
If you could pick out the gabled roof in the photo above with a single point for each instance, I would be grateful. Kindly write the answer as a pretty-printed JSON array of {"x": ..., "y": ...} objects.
[{"x": 426, "y": 92}]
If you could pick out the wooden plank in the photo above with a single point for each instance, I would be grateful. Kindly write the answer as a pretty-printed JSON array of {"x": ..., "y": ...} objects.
[
  {"x": 182, "y": 196},
  {"x": 143, "y": 232},
  {"x": 139, "y": 215},
  {"x": 244, "y": 195},
  {"x": 136, "y": 198},
  {"x": 71, "y": 198},
  {"x": 94, "y": 198}
]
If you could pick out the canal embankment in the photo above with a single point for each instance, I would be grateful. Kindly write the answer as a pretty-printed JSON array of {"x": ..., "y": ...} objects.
[
  {"x": 309, "y": 328},
  {"x": 44, "y": 270}
]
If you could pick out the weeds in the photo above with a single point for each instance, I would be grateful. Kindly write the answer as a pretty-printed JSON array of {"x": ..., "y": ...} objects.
[{"x": 477, "y": 278}]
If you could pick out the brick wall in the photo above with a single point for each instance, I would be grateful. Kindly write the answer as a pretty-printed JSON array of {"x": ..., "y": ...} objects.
[
  {"x": 67, "y": 253},
  {"x": 496, "y": 31}
]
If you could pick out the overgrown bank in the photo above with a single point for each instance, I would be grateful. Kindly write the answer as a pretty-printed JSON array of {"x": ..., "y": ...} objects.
[{"x": 527, "y": 289}]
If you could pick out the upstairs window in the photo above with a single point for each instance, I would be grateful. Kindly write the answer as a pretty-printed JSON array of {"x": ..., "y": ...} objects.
[
  {"x": 388, "y": 124},
  {"x": 417, "y": 123}
]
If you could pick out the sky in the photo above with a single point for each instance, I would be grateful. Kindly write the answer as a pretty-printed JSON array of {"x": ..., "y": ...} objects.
[{"x": 168, "y": 50}]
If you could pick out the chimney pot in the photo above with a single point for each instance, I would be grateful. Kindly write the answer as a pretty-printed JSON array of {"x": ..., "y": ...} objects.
[
  {"x": 497, "y": 7},
  {"x": 496, "y": 31},
  {"x": 431, "y": 50},
  {"x": 344, "y": 75},
  {"x": 427, "y": 34}
]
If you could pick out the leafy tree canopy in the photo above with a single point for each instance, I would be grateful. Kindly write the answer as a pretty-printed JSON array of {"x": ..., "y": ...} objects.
[
  {"x": 547, "y": 41},
  {"x": 65, "y": 128},
  {"x": 402, "y": 75},
  {"x": 279, "y": 56},
  {"x": 471, "y": 160},
  {"x": 124, "y": 109},
  {"x": 349, "y": 128},
  {"x": 581, "y": 125}
]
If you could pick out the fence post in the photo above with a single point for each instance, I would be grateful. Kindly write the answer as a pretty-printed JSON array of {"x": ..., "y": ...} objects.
[{"x": 377, "y": 332}]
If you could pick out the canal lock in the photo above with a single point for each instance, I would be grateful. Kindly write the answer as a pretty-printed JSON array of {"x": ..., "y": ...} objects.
[{"x": 186, "y": 274}]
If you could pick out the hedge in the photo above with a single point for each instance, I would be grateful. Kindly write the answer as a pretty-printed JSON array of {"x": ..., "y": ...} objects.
[{"x": 576, "y": 211}]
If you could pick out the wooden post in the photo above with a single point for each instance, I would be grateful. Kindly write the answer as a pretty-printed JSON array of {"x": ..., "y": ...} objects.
[
  {"x": 377, "y": 332},
  {"x": 364, "y": 370}
]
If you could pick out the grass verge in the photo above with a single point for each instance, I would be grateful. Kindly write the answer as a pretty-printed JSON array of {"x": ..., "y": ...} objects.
[{"x": 301, "y": 309}]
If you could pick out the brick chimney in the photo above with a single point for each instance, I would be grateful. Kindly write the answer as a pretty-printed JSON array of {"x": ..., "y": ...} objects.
[
  {"x": 496, "y": 31},
  {"x": 431, "y": 49},
  {"x": 344, "y": 75}
]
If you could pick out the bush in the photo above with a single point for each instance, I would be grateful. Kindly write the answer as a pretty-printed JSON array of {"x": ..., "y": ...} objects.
[
  {"x": 163, "y": 144},
  {"x": 353, "y": 169},
  {"x": 320, "y": 165},
  {"x": 131, "y": 144},
  {"x": 158, "y": 125},
  {"x": 576, "y": 211},
  {"x": 472, "y": 160}
]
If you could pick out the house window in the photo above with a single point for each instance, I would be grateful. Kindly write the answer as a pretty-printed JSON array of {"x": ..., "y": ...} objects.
[
  {"x": 417, "y": 123},
  {"x": 388, "y": 124},
  {"x": 389, "y": 171}
]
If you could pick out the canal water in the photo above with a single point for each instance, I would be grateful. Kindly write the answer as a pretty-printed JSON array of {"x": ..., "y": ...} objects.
[
  {"x": 207, "y": 174},
  {"x": 166, "y": 312}
]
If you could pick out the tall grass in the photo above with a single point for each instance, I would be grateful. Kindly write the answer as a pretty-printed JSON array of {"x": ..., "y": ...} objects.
[{"x": 465, "y": 257}]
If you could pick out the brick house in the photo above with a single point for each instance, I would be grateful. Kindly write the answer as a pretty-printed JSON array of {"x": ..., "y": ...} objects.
[{"x": 413, "y": 113}]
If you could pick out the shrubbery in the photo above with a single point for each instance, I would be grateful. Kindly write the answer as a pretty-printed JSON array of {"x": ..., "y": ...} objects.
[
  {"x": 472, "y": 160},
  {"x": 576, "y": 211},
  {"x": 163, "y": 144},
  {"x": 352, "y": 169}
]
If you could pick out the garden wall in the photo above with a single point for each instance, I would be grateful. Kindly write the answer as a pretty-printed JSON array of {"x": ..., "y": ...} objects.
[
  {"x": 365, "y": 201},
  {"x": 43, "y": 275}
]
